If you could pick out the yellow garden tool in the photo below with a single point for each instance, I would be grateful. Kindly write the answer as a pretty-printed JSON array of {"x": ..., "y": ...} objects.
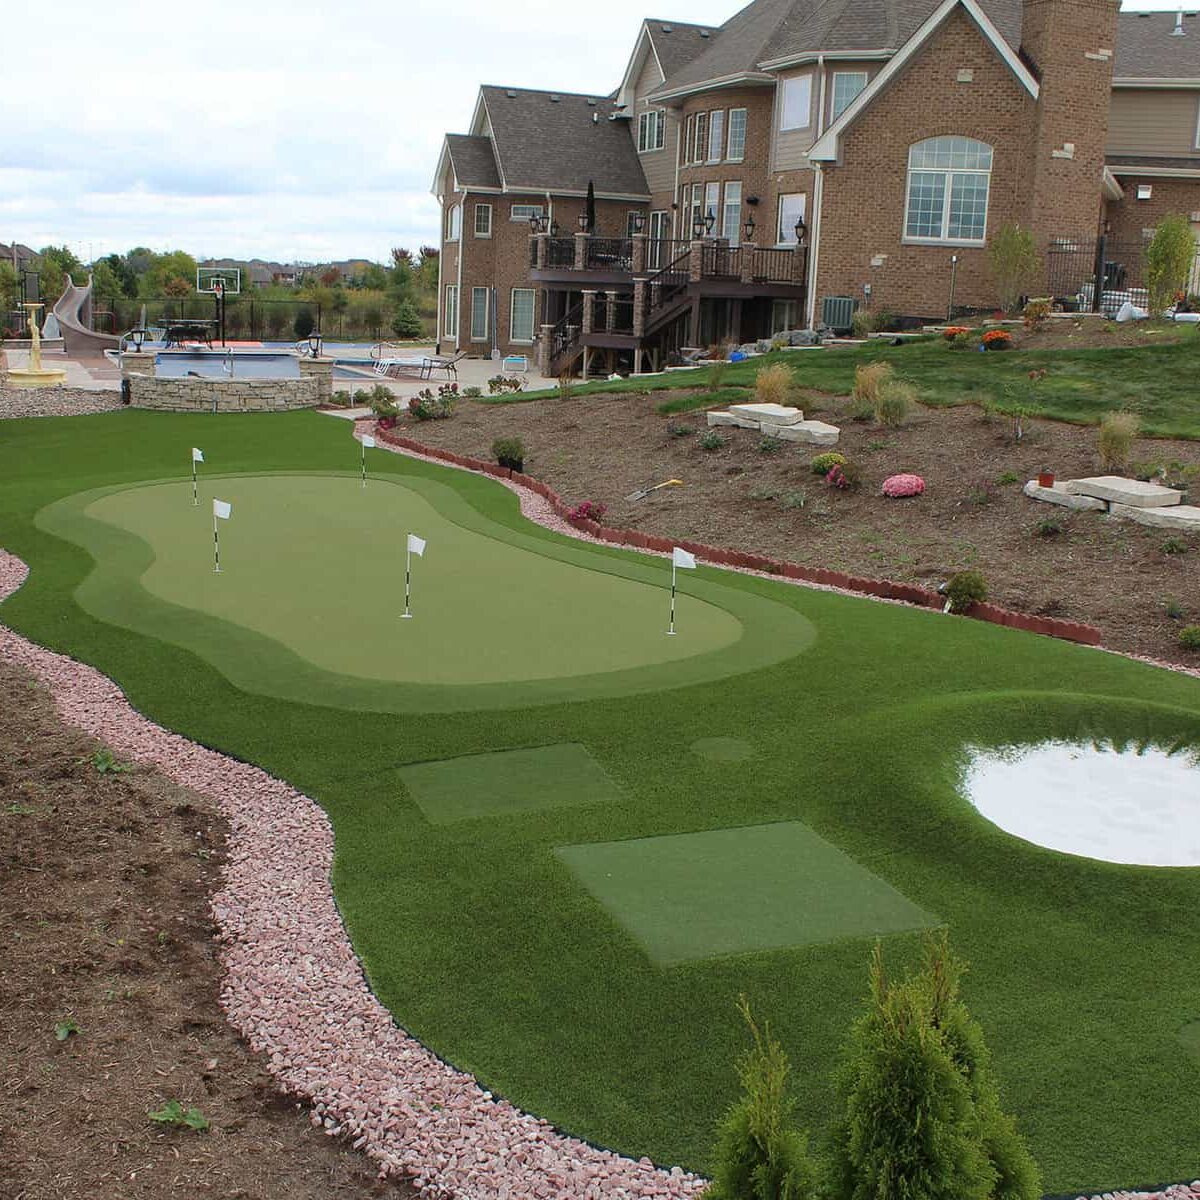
[{"x": 642, "y": 493}]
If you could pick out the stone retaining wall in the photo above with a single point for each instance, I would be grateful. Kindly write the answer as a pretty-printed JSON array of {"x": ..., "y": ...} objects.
[
  {"x": 225, "y": 395},
  {"x": 1071, "y": 631}
]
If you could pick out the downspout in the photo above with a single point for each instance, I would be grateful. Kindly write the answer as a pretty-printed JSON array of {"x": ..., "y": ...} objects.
[
  {"x": 821, "y": 101},
  {"x": 438, "y": 331},
  {"x": 458, "y": 296},
  {"x": 815, "y": 252},
  {"x": 678, "y": 152}
]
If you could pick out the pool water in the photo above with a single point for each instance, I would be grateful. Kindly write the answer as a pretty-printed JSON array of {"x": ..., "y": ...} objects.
[{"x": 179, "y": 364}]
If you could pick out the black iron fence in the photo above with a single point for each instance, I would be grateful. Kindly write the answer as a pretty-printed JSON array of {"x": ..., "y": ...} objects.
[
  {"x": 560, "y": 252},
  {"x": 609, "y": 254},
  {"x": 1100, "y": 275}
]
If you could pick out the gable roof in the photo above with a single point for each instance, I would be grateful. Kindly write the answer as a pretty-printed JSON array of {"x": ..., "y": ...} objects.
[
  {"x": 473, "y": 161},
  {"x": 677, "y": 43},
  {"x": 561, "y": 142},
  {"x": 1147, "y": 49},
  {"x": 827, "y": 147}
]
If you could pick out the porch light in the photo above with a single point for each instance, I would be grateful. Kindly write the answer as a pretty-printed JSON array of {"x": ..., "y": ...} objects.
[
  {"x": 801, "y": 231},
  {"x": 583, "y": 222},
  {"x": 554, "y": 227},
  {"x": 537, "y": 223},
  {"x": 638, "y": 222},
  {"x": 698, "y": 227},
  {"x": 709, "y": 221},
  {"x": 748, "y": 227},
  {"x": 137, "y": 337},
  {"x": 314, "y": 343}
]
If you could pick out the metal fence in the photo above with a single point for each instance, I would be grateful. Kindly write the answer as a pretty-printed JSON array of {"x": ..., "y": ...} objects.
[{"x": 1100, "y": 275}]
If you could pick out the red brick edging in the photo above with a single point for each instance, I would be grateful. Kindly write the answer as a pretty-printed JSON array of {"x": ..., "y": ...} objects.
[{"x": 907, "y": 593}]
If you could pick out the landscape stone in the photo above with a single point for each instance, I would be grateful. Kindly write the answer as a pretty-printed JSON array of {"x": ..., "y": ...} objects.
[
  {"x": 775, "y": 414},
  {"x": 1057, "y": 494},
  {"x": 721, "y": 418},
  {"x": 811, "y": 433},
  {"x": 1124, "y": 491},
  {"x": 1180, "y": 516}
]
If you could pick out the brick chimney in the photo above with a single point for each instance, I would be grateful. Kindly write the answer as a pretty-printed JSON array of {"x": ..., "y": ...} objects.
[{"x": 1069, "y": 46}]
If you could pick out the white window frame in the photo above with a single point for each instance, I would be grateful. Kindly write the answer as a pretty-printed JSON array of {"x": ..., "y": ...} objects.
[
  {"x": 700, "y": 129},
  {"x": 787, "y": 236},
  {"x": 791, "y": 97},
  {"x": 479, "y": 210},
  {"x": 944, "y": 238},
  {"x": 652, "y": 130},
  {"x": 522, "y": 212},
  {"x": 454, "y": 223},
  {"x": 512, "y": 316},
  {"x": 450, "y": 312},
  {"x": 724, "y": 224},
  {"x": 741, "y": 150},
  {"x": 834, "y": 111},
  {"x": 716, "y": 135},
  {"x": 487, "y": 314}
]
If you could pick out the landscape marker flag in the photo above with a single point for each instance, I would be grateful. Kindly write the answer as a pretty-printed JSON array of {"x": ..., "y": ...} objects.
[
  {"x": 368, "y": 443},
  {"x": 197, "y": 457},
  {"x": 416, "y": 545},
  {"x": 679, "y": 558},
  {"x": 221, "y": 511}
]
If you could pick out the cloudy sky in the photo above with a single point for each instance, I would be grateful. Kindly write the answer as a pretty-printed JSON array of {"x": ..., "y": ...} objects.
[{"x": 296, "y": 131}]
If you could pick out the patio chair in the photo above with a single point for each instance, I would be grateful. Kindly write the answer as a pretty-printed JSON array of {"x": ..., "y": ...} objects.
[
  {"x": 449, "y": 365},
  {"x": 387, "y": 366}
]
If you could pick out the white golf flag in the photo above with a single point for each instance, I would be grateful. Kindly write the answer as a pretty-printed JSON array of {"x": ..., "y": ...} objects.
[
  {"x": 681, "y": 558},
  {"x": 416, "y": 545},
  {"x": 222, "y": 509},
  {"x": 368, "y": 442},
  {"x": 197, "y": 455}
]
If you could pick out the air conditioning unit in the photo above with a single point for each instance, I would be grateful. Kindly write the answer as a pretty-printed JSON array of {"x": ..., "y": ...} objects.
[{"x": 837, "y": 312}]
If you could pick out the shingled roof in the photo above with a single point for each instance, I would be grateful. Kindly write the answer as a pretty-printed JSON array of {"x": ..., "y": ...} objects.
[
  {"x": 561, "y": 142},
  {"x": 473, "y": 161},
  {"x": 1147, "y": 48},
  {"x": 677, "y": 42}
]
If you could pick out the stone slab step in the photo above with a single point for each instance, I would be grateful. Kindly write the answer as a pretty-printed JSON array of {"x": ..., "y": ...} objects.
[
  {"x": 732, "y": 418},
  {"x": 1057, "y": 494},
  {"x": 1180, "y": 516},
  {"x": 811, "y": 433},
  {"x": 1132, "y": 492},
  {"x": 775, "y": 414}
]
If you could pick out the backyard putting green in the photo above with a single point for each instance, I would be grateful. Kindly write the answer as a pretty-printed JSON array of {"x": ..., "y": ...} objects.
[{"x": 562, "y": 884}]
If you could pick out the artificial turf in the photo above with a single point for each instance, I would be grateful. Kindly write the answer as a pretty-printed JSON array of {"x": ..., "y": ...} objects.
[{"x": 484, "y": 944}]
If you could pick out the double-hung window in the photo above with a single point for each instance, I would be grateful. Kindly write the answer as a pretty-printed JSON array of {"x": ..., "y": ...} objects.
[
  {"x": 651, "y": 130},
  {"x": 454, "y": 223},
  {"x": 846, "y": 86},
  {"x": 700, "y": 146},
  {"x": 731, "y": 217},
  {"x": 795, "y": 103},
  {"x": 483, "y": 220},
  {"x": 479, "y": 314},
  {"x": 949, "y": 179},
  {"x": 736, "y": 150},
  {"x": 716, "y": 135},
  {"x": 521, "y": 315},
  {"x": 450, "y": 313},
  {"x": 792, "y": 208}
]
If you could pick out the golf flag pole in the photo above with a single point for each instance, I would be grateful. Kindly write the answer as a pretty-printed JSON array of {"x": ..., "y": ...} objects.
[
  {"x": 221, "y": 512},
  {"x": 679, "y": 558},
  {"x": 368, "y": 443},
  {"x": 197, "y": 457},
  {"x": 416, "y": 546}
]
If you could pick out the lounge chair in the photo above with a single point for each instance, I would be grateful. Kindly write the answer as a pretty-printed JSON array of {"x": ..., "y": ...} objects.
[
  {"x": 449, "y": 365},
  {"x": 388, "y": 366}
]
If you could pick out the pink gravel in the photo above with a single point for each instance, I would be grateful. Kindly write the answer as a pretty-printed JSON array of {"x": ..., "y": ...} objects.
[{"x": 296, "y": 991}]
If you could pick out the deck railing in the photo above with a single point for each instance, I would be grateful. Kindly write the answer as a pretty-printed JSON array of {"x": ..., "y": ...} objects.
[{"x": 609, "y": 254}]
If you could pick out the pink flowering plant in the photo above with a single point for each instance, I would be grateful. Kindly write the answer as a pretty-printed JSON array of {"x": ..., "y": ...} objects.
[
  {"x": 589, "y": 510},
  {"x": 843, "y": 477},
  {"x": 898, "y": 487}
]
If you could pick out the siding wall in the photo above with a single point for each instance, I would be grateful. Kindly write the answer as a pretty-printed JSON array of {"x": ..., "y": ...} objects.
[
  {"x": 1153, "y": 121},
  {"x": 658, "y": 165},
  {"x": 789, "y": 148}
]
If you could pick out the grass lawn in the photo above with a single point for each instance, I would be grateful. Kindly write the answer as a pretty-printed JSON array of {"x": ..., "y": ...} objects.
[
  {"x": 747, "y": 829},
  {"x": 1080, "y": 385}
]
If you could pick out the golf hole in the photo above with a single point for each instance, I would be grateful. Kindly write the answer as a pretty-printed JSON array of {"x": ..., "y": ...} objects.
[{"x": 1137, "y": 805}]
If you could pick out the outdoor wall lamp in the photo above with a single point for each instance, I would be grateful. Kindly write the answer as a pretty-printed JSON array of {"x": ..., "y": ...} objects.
[
  {"x": 801, "y": 231},
  {"x": 554, "y": 228},
  {"x": 137, "y": 337},
  {"x": 314, "y": 343},
  {"x": 584, "y": 223},
  {"x": 748, "y": 227},
  {"x": 709, "y": 221},
  {"x": 537, "y": 223},
  {"x": 638, "y": 222},
  {"x": 698, "y": 227}
]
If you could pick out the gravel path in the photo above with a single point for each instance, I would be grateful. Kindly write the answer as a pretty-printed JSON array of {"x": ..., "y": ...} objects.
[{"x": 54, "y": 402}]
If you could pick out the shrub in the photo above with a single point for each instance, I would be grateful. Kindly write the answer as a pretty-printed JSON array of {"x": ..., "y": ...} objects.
[
  {"x": 499, "y": 384},
  {"x": 997, "y": 339},
  {"x": 472, "y": 393},
  {"x": 1175, "y": 545},
  {"x": 679, "y": 431},
  {"x": 1174, "y": 610},
  {"x": 1189, "y": 637},
  {"x": 341, "y": 398},
  {"x": 304, "y": 324},
  {"x": 953, "y": 332},
  {"x": 770, "y": 445},
  {"x": 897, "y": 487},
  {"x": 1115, "y": 439},
  {"x": 509, "y": 452},
  {"x": 406, "y": 321},
  {"x": 965, "y": 589},
  {"x": 1013, "y": 257},
  {"x": 1049, "y": 527},
  {"x": 895, "y": 400},
  {"x": 1037, "y": 313},
  {"x": 1008, "y": 477},
  {"x": 711, "y": 440},
  {"x": 716, "y": 373},
  {"x": 760, "y": 1155},
  {"x": 823, "y": 462},
  {"x": 844, "y": 477},
  {"x": 1169, "y": 261},
  {"x": 588, "y": 510},
  {"x": 796, "y": 499},
  {"x": 425, "y": 406},
  {"x": 566, "y": 386},
  {"x": 869, "y": 379},
  {"x": 773, "y": 384},
  {"x": 920, "y": 1109},
  {"x": 862, "y": 323},
  {"x": 380, "y": 401}
]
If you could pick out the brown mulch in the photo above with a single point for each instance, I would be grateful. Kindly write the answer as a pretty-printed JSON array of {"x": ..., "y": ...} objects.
[
  {"x": 1095, "y": 333},
  {"x": 104, "y": 885},
  {"x": 1081, "y": 567}
]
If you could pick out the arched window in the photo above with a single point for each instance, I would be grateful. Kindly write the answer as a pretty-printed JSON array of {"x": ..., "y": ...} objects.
[{"x": 948, "y": 183}]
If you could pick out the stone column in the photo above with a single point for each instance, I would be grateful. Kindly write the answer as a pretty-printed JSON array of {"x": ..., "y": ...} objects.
[
  {"x": 137, "y": 363},
  {"x": 581, "y": 249},
  {"x": 320, "y": 369},
  {"x": 639, "y": 253},
  {"x": 749, "y": 252},
  {"x": 544, "y": 341},
  {"x": 799, "y": 264},
  {"x": 639, "y": 307},
  {"x": 696, "y": 262},
  {"x": 589, "y": 311},
  {"x": 542, "y": 242}
]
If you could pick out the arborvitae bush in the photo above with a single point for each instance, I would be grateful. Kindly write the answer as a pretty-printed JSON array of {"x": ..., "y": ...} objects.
[{"x": 760, "y": 1154}]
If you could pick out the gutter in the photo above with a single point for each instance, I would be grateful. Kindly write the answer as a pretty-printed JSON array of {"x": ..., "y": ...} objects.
[
  {"x": 712, "y": 85},
  {"x": 815, "y": 253}
]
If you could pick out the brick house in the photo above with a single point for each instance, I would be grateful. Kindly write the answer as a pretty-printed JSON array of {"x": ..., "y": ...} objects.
[{"x": 849, "y": 150}]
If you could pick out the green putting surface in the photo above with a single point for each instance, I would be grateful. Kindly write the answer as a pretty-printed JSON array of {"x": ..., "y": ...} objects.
[
  {"x": 724, "y": 749},
  {"x": 309, "y": 599},
  {"x": 510, "y": 781},
  {"x": 738, "y": 891}
]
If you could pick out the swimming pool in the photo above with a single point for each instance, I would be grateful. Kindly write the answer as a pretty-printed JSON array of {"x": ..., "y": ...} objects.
[{"x": 216, "y": 364}]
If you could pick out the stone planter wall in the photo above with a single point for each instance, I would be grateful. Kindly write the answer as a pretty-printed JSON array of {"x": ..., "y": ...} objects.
[{"x": 226, "y": 395}]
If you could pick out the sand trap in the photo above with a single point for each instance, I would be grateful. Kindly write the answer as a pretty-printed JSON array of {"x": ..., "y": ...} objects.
[{"x": 1134, "y": 806}]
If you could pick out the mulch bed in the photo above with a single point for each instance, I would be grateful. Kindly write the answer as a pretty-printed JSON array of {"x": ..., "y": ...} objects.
[
  {"x": 1081, "y": 567},
  {"x": 104, "y": 889}
]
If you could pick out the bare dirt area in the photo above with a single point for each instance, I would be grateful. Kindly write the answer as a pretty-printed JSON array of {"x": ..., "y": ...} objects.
[
  {"x": 108, "y": 993},
  {"x": 1096, "y": 333},
  {"x": 1139, "y": 585}
]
